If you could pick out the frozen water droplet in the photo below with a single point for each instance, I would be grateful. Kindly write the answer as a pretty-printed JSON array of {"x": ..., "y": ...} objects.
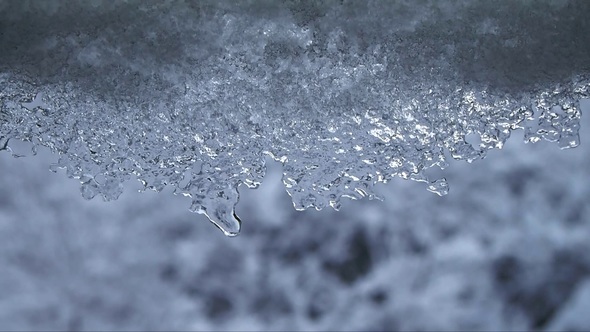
[
  {"x": 439, "y": 187},
  {"x": 89, "y": 189},
  {"x": 336, "y": 204},
  {"x": 219, "y": 207},
  {"x": 570, "y": 141},
  {"x": 226, "y": 220}
]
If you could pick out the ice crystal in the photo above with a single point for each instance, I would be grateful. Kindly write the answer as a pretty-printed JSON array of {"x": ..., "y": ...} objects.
[{"x": 345, "y": 94}]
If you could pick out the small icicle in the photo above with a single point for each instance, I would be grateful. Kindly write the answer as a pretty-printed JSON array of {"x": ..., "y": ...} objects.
[
  {"x": 226, "y": 220},
  {"x": 219, "y": 207}
]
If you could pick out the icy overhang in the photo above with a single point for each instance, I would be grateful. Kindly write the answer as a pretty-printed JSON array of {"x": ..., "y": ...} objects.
[{"x": 345, "y": 94}]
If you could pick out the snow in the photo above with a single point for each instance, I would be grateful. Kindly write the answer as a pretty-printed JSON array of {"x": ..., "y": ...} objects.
[
  {"x": 336, "y": 100},
  {"x": 344, "y": 94}
]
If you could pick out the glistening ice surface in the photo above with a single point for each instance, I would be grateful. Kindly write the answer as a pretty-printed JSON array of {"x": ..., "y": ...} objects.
[{"x": 344, "y": 94}]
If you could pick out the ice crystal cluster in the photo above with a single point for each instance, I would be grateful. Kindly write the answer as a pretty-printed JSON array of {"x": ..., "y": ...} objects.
[{"x": 345, "y": 94}]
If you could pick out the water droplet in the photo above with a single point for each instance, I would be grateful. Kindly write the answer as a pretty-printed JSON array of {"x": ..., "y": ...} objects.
[
  {"x": 569, "y": 141},
  {"x": 89, "y": 189},
  {"x": 219, "y": 207},
  {"x": 226, "y": 220},
  {"x": 439, "y": 187}
]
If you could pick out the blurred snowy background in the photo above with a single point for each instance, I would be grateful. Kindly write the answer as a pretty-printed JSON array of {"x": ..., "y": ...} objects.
[{"x": 507, "y": 249}]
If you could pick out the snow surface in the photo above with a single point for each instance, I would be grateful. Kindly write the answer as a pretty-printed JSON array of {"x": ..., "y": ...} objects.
[{"x": 345, "y": 94}]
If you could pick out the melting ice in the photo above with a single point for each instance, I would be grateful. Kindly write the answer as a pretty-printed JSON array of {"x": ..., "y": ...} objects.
[{"x": 344, "y": 94}]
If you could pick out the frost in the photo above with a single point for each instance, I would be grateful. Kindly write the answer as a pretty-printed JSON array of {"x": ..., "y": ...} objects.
[{"x": 345, "y": 94}]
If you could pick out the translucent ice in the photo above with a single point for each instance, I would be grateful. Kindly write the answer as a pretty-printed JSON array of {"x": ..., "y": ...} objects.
[{"x": 345, "y": 94}]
